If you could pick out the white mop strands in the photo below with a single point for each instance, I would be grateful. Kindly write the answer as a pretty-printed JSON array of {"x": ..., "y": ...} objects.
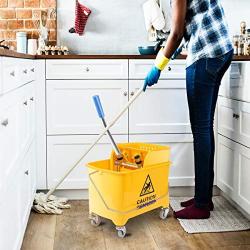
[{"x": 50, "y": 204}]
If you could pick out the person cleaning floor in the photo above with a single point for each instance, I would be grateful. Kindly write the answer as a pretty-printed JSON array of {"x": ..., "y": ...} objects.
[{"x": 203, "y": 25}]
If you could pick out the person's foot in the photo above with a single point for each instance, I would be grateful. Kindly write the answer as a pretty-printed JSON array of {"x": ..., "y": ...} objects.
[
  {"x": 191, "y": 202},
  {"x": 192, "y": 212}
]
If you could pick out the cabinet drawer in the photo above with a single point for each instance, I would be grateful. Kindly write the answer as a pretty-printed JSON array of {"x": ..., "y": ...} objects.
[
  {"x": 138, "y": 69},
  {"x": 157, "y": 111},
  {"x": 16, "y": 72},
  {"x": 11, "y": 74},
  {"x": 181, "y": 155},
  {"x": 71, "y": 110},
  {"x": 234, "y": 120},
  {"x": 235, "y": 84},
  {"x": 64, "y": 151},
  {"x": 87, "y": 69}
]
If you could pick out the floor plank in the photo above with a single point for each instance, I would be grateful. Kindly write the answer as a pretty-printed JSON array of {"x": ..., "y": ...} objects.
[
  {"x": 73, "y": 231},
  {"x": 40, "y": 232}
]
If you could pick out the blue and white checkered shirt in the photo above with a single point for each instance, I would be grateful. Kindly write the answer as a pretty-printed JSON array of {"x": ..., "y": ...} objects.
[{"x": 206, "y": 30}]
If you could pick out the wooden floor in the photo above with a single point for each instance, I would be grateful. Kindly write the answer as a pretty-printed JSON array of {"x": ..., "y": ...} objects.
[{"x": 73, "y": 231}]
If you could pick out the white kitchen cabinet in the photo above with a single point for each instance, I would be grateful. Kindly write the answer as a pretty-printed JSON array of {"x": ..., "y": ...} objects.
[
  {"x": 234, "y": 171},
  {"x": 138, "y": 69},
  {"x": 17, "y": 150},
  {"x": 162, "y": 108},
  {"x": 235, "y": 84},
  {"x": 64, "y": 151},
  {"x": 87, "y": 69},
  {"x": 234, "y": 120},
  {"x": 71, "y": 110},
  {"x": 181, "y": 155}
]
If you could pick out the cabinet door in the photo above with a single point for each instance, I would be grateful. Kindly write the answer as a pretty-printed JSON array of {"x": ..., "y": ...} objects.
[
  {"x": 9, "y": 137},
  {"x": 234, "y": 120},
  {"x": 71, "y": 110},
  {"x": 233, "y": 171},
  {"x": 181, "y": 153},
  {"x": 64, "y": 151},
  {"x": 10, "y": 218},
  {"x": 25, "y": 182},
  {"x": 162, "y": 109},
  {"x": 226, "y": 166},
  {"x": 243, "y": 167}
]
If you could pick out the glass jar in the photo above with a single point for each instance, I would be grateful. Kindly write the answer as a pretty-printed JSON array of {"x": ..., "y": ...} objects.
[{"x": 21, "y": 39}]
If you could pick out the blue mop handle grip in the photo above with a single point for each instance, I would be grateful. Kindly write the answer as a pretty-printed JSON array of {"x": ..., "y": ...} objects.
[{"x": 98, "y": 106}]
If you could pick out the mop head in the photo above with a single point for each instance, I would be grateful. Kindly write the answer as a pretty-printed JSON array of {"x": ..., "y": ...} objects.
[{"x": 50, "y": 205}]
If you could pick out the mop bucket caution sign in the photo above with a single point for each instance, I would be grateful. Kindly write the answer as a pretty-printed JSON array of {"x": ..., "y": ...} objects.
[
  {"x": 147, "y": 194},
  {"x": 121, "y": 195}
]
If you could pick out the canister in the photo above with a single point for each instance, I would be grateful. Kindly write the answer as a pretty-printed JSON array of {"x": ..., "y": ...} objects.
[{"x": 21, "y": 38}]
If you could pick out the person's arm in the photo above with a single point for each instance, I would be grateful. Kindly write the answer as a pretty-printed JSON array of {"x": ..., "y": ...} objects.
[
  {"x": 176, "y": 34},
  {"x": 179, "y": 9}
]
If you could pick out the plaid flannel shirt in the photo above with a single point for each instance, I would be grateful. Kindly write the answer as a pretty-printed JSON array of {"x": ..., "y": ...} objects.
[{"x": 206, "y": 30}]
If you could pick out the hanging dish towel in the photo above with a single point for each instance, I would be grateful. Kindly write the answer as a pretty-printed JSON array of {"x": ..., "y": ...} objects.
[
  {"x": 82, "y": 15},
  {"x": 153, "y": 15}
]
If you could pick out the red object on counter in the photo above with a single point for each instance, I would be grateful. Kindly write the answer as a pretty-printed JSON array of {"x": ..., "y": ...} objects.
[{"x": 82, "y": 15}]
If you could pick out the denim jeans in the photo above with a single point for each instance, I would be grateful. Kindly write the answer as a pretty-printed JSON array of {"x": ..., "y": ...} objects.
[{"x": 203, "y": 82}]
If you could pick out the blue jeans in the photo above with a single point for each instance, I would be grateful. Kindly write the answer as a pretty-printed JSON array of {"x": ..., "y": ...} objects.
[{"x": 203, "y": 82}]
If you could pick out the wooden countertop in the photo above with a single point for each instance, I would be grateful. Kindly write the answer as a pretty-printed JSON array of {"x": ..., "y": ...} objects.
[{"x": 11, "y": 53}]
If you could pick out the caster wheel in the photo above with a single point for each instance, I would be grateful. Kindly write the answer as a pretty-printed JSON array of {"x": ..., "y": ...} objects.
[
  {"x": 95, "y": 220},
  {"x": 164, "y": 213},
  {"x": 121, "y": 231}
]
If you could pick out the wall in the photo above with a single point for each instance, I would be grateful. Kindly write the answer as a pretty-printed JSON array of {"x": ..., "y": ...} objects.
[
  {"x": 18, "y": 15},
  {"x": 117, "y": 26},
  {"x": 236, "y": 11}
]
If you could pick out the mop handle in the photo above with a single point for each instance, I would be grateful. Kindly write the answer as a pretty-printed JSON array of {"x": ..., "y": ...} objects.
[
  {"x": 95, "y": 142},
  {"x": 100, "y": 112}
]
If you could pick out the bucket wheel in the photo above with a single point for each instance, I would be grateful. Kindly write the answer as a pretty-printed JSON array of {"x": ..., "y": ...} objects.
[
  {"x": 95, "y": 220},
  {"x": 164, "y": 213},
  {"x": 121, "y": 231}
]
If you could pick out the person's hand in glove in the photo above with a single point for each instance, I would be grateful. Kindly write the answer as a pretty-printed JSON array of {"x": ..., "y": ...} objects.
[{"x": 154, "y": 74}]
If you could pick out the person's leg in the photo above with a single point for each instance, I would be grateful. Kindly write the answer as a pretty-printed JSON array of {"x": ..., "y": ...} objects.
[
  {"x": 228, "y": 59},
  {"x": 202, "y": 91}
]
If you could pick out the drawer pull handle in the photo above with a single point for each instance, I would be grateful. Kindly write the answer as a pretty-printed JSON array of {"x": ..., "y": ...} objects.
[
  {"x": 32, "y": 70},
  {"x": 5, "y": 123},
  {"x": 32, "y": 99},
  {"x": 87, "y": 69},
  {"x": 25, "y": 71},
  {"x": 169, "y": 68},
  {"x": 27, "y": 172},
  {"x": 236, "y": 116},
  {"x": 132, "y": 93},
  {"x": 25, "y": 103},
  {"x": 125, "y": 93},
  {"x": 12, "y": 73}
]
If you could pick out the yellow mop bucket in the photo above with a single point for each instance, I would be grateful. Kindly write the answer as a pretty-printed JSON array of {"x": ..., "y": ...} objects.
[{"x": 121, "y": 194}]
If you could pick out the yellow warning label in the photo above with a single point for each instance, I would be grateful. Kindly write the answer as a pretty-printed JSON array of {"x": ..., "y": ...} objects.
[{"x": 147, "y": 187}]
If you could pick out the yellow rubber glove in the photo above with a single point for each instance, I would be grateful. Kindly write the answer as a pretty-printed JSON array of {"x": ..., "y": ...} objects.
[
  {"x": 154, "y": 74},
  {"x": 161, "y": 61}
]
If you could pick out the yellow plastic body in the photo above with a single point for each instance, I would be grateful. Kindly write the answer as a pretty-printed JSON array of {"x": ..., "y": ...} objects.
[{"x": 121, "y": 195}]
